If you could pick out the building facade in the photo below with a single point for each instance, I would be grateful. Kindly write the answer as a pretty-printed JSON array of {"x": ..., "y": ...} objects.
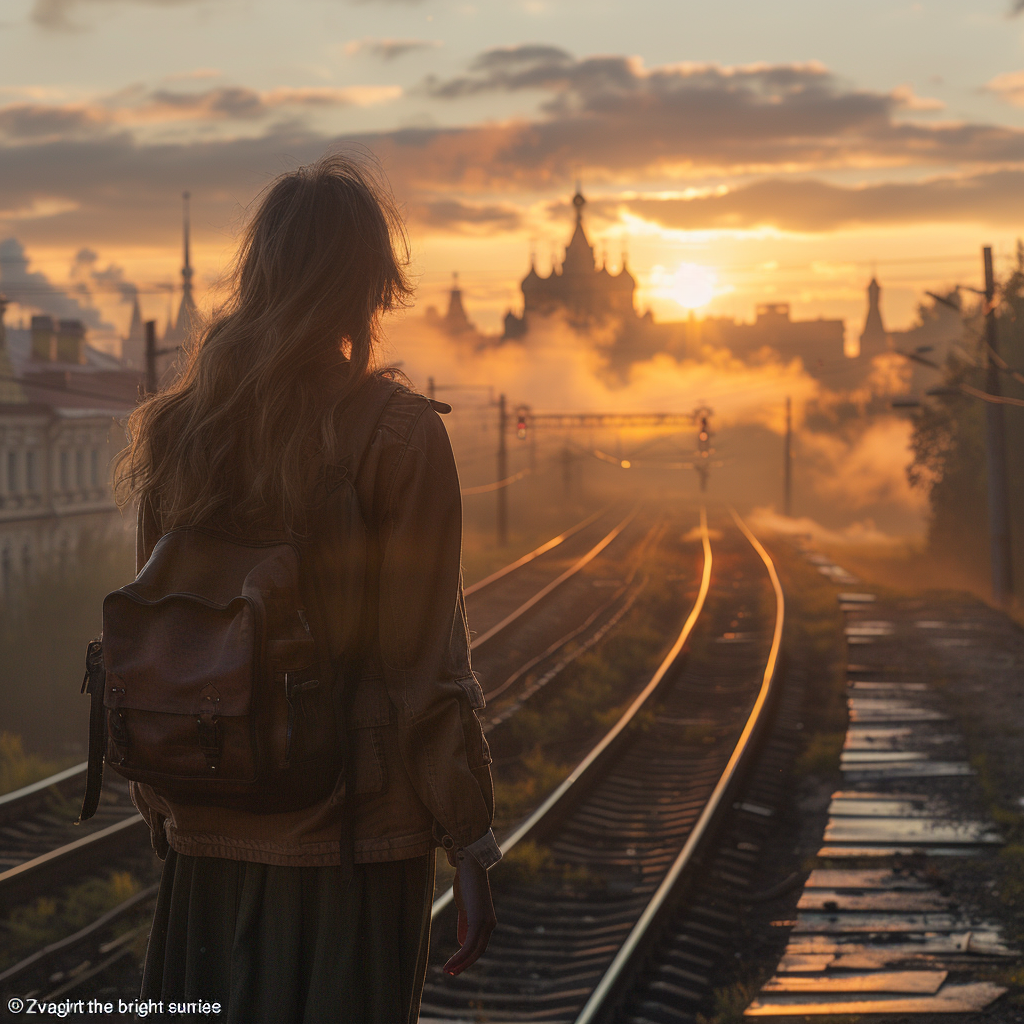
[{"x": 583, "y": 293}]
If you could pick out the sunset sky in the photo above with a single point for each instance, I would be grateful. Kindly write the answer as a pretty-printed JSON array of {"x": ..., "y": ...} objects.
[{"x": 745, "y": 151}]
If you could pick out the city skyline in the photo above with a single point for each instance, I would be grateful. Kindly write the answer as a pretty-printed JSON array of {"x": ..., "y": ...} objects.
[{"x": 779, "y": 156}]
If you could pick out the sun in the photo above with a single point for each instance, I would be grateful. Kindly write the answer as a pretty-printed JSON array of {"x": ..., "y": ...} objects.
[{"x": 691, "y": 285}]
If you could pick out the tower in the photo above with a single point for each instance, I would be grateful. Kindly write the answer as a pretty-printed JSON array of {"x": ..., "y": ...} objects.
[
  {"x": 133, "y": 348},
  {"x": 873, "y": 339},
  {"x": 188, "y": 314},
  {"x": 455, "y": 320},
  {"x": 10, "y": 390}
]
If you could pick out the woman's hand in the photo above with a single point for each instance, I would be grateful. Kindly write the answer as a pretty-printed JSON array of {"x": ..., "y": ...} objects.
[{"x": 476, "y": 913}]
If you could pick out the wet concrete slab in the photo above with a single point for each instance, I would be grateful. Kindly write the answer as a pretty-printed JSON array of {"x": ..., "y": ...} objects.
[
  {"x": 969, "y": 997},
  {"x": 867, "y": 771},
  {"x": 970, "y": 943},
  {"x": 830, "y": 900},
  {"x": 881, "y": 878},
  {"x": 831, "y": 852},
  {"x": 916, "y": 831},
  {"x": 877, "y": 936},
  {"x": 836, "y": 923},
  {"x": 852, "y": 757},
  {"x": 916, "y": 982},
  {"x": 866, "y": 686}
]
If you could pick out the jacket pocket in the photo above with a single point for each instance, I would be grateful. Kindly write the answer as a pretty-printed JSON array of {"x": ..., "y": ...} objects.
[
  {"x": 370, "y": 713},
  {"x": 473, "y": 693},
  {"x": 477, "y": 751}
]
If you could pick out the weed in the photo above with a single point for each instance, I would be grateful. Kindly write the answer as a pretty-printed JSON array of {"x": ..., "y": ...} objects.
[
  {"x": 17, "y": 768},
  {"x": 48, "y": 919}
]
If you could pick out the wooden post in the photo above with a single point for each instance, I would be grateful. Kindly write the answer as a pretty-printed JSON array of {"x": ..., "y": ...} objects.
[
  {"x": 995, "y": 453},
  {"x": 151, "y": 357},
  {"x": 502, "y": 475},
  {"x": 787, "y": 463}
]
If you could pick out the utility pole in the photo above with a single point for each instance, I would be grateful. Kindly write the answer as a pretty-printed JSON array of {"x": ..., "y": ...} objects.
[
  {"x": 567, "y": 469},
  {"x": 502, "y": 475},
  {"x": 787, "y": 462},
  {"x": 150, "y": 357},
  {"x": 431, "y": 388},
  {"x": 995, "y": 453}
]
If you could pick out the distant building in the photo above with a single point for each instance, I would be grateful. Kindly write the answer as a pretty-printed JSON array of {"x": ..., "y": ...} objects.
[
  {"x": 60, "y": 406},
  {"x": 456, "y": 321},
  {"x": 188, "y": 312},
  {"x": 873, "y": 339},
  {"x": 11, "y": 391},
  {"x": 133, "y": 348},
  {"x": 580, "y": 291},
  {"x": 58, "y": 341},
  {"x": 816, "y": 343}
]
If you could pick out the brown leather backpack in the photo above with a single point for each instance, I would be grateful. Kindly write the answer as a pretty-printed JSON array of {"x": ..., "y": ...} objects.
[{"x": 219, "y": 679}]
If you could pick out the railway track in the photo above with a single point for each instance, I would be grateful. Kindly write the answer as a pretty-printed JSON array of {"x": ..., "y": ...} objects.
[
  {"x": 593, "y": 875},
  {"x": 522, "y": 609}
]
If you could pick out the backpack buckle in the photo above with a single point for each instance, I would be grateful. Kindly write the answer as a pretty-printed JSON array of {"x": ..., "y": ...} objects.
[
  {"x": 117, "y": 730},
  {"x": 210, "y": 737},
  {"x": 295, "y": 684}
]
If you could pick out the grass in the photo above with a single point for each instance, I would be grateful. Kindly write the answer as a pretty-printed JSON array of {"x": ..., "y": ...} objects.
[
  {"x": 18, "y": 768},
  {"x": 591, "y": 695},
  {"x": 47, "y": 919}
]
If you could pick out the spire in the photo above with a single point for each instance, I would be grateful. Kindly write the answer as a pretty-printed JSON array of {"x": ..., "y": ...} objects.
[
  {"x": 579, "y": 202},
  {"x": 188, "y": 314},
  {"x": 874, "y": 338},
  {"x": 133, "y": 348},
  {"x": 579, "y": 253},
  {"x": 456, "y": 321},
  {"x": 186, "y": 270}
]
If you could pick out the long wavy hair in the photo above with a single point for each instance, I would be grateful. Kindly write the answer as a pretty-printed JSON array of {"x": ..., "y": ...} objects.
[{"x": 242, "y": 434}]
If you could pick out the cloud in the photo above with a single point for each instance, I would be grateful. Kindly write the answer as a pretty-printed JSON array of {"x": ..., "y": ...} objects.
[
  {"x": 389, "y": 49},
  {"x": 95, "y": 177},
  {"x": 1008, "y": 86},
  {"x": 462, "y": 217},
  {"x": 33, "y": 289},
  {"x": 86, "y": 272},
  {"x": 55, "y": 15},
  {"x": 614, "y": 114},
  {"x": 810, "y": 206},
  {"x": 137, "y": 105}
]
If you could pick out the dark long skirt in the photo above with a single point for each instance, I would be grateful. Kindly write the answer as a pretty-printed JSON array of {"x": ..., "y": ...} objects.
[{"x": 283, "y": 945}]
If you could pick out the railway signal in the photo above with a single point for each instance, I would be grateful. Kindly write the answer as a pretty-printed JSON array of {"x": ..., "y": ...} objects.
[
  {"x": 702, "y": 416},
  {"x": 521, "y": 422}
]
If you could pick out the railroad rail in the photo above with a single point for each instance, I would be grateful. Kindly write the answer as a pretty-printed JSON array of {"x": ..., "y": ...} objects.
[
  {"x": 41, "y": 849},
  {"x": 602, "y": 862}
]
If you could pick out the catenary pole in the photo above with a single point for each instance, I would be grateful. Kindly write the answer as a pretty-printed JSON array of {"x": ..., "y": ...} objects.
[
  {"x": 502, "y": 492},
  {"x": 150, "y": 357},
  {"x": 787, "y": 461},
  {"x": 995, "y": 452}
]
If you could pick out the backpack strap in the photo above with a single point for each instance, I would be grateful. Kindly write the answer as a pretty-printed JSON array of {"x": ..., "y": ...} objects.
[
  {"x": 358, "y": 423},
  {"x": 94, "y": 684}
]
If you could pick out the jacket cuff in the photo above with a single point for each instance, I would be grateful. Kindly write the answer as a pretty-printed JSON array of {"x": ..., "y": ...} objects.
[{"x": 485, "y": 851}]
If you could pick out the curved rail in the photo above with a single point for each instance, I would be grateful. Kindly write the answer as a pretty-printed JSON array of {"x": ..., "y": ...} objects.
[
  {"x": 606, "y": 988},
  {"x": 563, "y": 792}
]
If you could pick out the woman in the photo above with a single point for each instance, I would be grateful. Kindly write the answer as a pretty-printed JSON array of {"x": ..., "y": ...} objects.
[{"x": 270, "y": 914}]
